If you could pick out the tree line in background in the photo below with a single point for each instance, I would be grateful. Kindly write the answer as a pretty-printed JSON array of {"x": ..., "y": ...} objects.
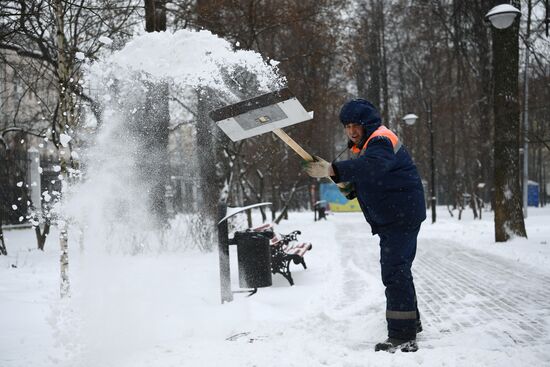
[{"x": 434, "y": 59}]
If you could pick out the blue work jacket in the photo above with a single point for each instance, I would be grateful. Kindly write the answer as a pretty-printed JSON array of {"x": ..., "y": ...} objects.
[{"x": 387, "y": 185}]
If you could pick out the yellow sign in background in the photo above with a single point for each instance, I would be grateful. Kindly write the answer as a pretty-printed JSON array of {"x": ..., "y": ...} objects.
[{"x": 337, "y": 201}]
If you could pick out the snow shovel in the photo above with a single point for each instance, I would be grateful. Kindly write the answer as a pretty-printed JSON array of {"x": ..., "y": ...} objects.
[{"x": 262, "y": 114}]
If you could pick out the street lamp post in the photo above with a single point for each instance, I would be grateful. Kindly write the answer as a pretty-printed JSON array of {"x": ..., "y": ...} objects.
[
  {"x": 526, "y": 129},
  {"x": 432, "y": 160},
  {"x": 410, "y": 119}
]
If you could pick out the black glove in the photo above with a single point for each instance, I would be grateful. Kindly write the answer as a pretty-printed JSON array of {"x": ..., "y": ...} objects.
[{"x": 347, "y": 189}]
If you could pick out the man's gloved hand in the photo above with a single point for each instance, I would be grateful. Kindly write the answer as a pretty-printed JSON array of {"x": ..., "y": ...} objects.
[
  {"x": 347, "y": 189},
  {"x": 318, "y": 168}
]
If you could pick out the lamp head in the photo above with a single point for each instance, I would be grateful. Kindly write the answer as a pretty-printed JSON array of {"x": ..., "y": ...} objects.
[
  {"x": 410, "y": 119},
  {"x": 502, "y": 16}
]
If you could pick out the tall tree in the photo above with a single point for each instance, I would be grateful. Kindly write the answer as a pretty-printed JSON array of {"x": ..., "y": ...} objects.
[
  {"x": 153, "y": 128},
  {"x": 508, "y": 197},
  {"x": 67, "y": 122},
  {"x": 370, "y": 56}
]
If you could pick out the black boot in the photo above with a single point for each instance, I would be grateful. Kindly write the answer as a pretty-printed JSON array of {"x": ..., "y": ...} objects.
[
  {"x": 392, "y": 344},
  {"x": 418, "y": 326}
]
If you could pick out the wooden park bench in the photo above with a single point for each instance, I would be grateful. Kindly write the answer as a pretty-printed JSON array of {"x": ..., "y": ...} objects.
[
  {"x": 285, "y": 249},
  {"x": 255, "y": 253}
]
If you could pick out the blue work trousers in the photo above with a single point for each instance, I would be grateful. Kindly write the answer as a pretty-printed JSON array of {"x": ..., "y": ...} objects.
[{"x": 397, "y": 252}]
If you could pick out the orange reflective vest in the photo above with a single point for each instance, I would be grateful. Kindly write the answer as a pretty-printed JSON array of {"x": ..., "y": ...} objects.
[{"x": 381, "y": 131}]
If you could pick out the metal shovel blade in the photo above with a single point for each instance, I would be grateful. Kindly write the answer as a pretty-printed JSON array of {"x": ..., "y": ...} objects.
[{"x": 260, "y": 115}]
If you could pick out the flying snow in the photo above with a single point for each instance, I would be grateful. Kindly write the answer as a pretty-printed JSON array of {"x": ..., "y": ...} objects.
[
  {"x": 105, "y": 40},
  {"x": 64, "y": 139},
  {"x": 189, "y": 58}
]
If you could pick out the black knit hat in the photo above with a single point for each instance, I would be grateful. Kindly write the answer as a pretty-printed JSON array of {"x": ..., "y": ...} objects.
[{"x": 360, "y": 111}]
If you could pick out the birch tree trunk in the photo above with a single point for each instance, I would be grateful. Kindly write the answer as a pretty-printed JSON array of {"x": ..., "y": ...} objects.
[{"x": 66, "y": 121}]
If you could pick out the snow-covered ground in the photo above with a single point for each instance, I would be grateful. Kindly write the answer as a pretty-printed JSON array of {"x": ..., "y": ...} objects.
[{"x": 483, "y": 304}]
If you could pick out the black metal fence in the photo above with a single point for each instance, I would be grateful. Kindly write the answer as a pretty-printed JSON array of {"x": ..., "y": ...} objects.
[{"x": 14, "y": 197}]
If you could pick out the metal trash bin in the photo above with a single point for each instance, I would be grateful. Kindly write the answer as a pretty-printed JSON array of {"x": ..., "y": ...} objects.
[{"x": 254, "y": 259}]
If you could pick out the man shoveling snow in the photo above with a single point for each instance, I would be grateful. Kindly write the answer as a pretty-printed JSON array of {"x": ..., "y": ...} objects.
[{"x": 387, "y": 185}]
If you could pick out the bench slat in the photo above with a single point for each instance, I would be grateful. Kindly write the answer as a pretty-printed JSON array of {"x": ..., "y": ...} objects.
[{"x": 263, "y": 227}]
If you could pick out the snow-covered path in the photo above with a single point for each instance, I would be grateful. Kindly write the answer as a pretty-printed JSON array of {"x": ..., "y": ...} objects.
[
  {"x": 471, "y": 302},
  {"x": 482, "y": 304},
  {"x": 463, "y": 289}
]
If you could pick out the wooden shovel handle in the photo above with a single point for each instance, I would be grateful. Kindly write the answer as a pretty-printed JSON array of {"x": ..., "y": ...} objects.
[
  {"x": 291, "y": 143},
  {"x": 298, "y": 149}
]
